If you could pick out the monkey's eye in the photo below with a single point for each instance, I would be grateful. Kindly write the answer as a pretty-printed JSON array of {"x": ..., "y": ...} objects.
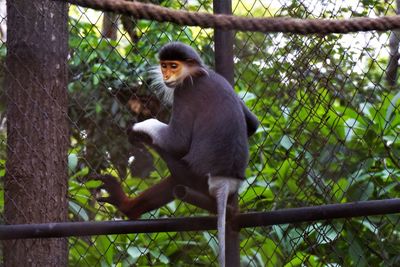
[
  {"x": 174, "y": 65},
  {"x": 163, "y": 65}
]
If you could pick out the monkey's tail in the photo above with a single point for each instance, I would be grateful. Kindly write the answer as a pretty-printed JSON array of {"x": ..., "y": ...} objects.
[
  {"x": 221, "y": 187},
  {"x": 221, "y": 195}
]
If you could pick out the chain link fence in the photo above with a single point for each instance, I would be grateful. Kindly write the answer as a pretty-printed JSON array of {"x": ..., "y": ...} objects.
[{"x": 329, "y": 112}]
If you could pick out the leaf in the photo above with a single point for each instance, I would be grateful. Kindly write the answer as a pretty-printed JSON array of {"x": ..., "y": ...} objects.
[
  {"x": 297, "y": 260},
  {"x": 114, "y": 107},
  {"x": 256, "y": 192},
  {"x": 92, "y": 184},
  {"x": 361, "y": 191},
  {"x": 295, "y": 238},
  {"x": 287, "y": 142},
  {"x": 160, "y": 256},
  {"x": 80, "y": 173},
  {"x": 95, "y": 79},
  {"x": 99, "y": 108},
  {"x": 355, "y": 251},
  {"x": 366, "y": 108},
  {"x": 370, "y": 226},
  {"x": 136, "y": 252},
  {"x": 349, "y": 126},
  {"x": 78, "y": 210},
  {"x": 72, "y": 162},
  {"x": 106, "y": 248},
  {"x": 339, "y": 188},
  {"x": 247, "y": 96},
  {"x": 271, "y": 251},
  {"x": 211, "y": 241},
  {"x": 327, "y": 234}
]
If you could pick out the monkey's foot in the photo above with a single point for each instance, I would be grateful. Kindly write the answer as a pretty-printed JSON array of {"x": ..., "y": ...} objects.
[
  {"x": 117, "y": 196},
  {"x": 113, "y": 187}
]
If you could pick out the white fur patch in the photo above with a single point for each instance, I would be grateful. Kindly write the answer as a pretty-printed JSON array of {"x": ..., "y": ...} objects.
[
  {"x": 215, "y": 182},
  {"x": 163, "y": 92},
  {"x": 221, "y": 187},
  {"x": 152, "y": 127}
]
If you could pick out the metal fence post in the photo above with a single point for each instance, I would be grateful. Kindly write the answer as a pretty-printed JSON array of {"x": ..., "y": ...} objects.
[{"x": 223, "y": 41}]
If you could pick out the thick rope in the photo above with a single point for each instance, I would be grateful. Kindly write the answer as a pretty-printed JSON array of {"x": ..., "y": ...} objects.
[{"x": 228, "y": 22}]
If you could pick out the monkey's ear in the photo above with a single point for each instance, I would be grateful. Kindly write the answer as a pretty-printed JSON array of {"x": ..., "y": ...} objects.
[{"x": 191, "y": 61}]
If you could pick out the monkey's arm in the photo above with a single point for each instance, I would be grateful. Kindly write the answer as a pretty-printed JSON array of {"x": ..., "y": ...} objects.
[
  {"x": 173, "y": 139},
  {"x": 251, "y": 120},
  {"x": 153, "y": 198}
]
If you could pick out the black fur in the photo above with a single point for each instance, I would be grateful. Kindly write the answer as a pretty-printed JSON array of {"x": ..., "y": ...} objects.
[
  {"x": 214, "y": 124},
  {"x": 179, "y": 51}
]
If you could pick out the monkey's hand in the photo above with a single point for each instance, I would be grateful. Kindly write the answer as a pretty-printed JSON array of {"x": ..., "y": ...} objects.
[
  {"x": 148, "y": 131},
  {"x": 138, "y": 137}
]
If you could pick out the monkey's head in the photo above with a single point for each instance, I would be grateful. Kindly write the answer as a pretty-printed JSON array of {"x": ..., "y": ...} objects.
[{"x": 178, "y": 62}]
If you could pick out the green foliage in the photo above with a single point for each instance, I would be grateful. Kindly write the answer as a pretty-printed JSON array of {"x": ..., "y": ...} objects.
[{"x": 329, "y": 134}]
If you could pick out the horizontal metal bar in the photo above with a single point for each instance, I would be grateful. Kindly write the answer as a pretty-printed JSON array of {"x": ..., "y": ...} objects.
[
  {"x": 316, "y": 213},
  {"x": 46, "y": 230},
  {"x": 195, "y": 198},
  {"x": 244, "y": 220},
  {"x": 198, "y": 199}
]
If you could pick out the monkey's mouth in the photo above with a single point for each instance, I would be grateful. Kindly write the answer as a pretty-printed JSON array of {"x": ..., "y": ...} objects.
[{"x": 171, "y": 84}]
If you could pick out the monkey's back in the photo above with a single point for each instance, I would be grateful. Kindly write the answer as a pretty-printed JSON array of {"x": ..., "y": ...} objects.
[{"x": 219, "y": 142}]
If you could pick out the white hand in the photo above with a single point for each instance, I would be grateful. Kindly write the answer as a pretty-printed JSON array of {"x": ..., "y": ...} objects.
[{"x": 152, "y": 128}]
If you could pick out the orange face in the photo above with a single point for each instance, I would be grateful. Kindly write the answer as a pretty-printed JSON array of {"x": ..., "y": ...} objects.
[{"x": 171, "y": 71}]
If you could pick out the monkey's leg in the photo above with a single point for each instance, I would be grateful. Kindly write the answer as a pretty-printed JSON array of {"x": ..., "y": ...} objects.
[
  {"x": 152, "y": 198},
  {"x": 177, "y": 167}
]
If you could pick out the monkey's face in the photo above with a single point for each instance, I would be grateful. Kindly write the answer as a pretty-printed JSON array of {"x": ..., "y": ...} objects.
[{"x": 173, "y": 72}]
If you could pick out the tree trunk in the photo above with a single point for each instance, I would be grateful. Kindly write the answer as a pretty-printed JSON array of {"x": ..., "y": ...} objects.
[
  {"x": 129, "y": 24},
  {"x": 391, "y": 71},
  {"x": 394, "y": 56},
  {"x": 110, "y": 25},
  {"x": 37, "y": 127}
]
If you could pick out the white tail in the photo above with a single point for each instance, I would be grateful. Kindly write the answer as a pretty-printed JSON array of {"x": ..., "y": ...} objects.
[
  {"x": 221, "y": 188},
  {"x": 221, "y": 196}
]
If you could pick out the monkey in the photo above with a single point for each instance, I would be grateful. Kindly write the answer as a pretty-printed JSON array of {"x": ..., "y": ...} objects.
[{"x": 205, "y": 143}]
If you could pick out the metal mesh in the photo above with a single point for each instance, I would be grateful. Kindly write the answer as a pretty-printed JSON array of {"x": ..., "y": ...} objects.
[
  {"x": 120, "y": 74},
  {"x": 328, "y": 134},
  {"x": 3, "y": 38}
]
